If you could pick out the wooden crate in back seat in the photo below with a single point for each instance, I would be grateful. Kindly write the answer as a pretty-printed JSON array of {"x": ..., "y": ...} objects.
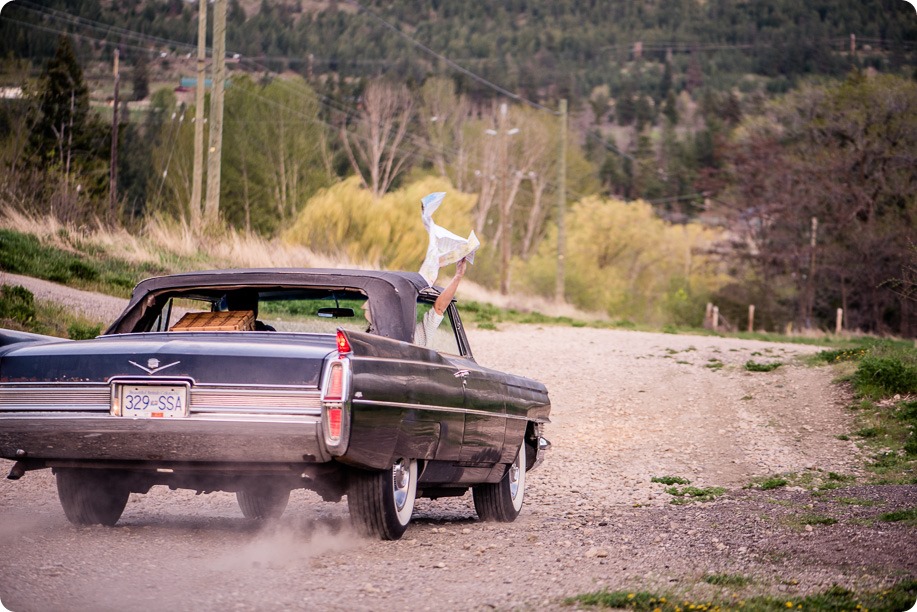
[{"x": 232, "y": 320}]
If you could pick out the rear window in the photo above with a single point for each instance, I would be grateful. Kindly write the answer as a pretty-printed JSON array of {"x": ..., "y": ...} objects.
[{"x": 309, "y": 310}]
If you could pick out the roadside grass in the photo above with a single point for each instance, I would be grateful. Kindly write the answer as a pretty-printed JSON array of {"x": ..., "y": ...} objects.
[
  {"x": 20, "y": 311},
  {"x": 714, "y": 364},
  {"x": 883, "y": 376},
  {"x": 899, "y": 597},
  {"x": 727, "y": 580},
  {"x": 86, "y": 269},
  {"x": 487, "y": 316},
  {"x": 688, "y": 494},
  {"x": 907, "y": 516},
  {"x": 670, "y": 480},
  {"x": 754, "y": 366},
  {"x": 814, "y": 479},
  {"x": 774, "y": 482},
  {"x": 810, "y": 519},
  {"x": 856, "y": 501},
  {"x": 112, "y": 261}
]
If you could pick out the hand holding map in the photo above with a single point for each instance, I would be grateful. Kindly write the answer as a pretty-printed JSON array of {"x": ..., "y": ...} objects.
[{"x": 445, "y": 247}]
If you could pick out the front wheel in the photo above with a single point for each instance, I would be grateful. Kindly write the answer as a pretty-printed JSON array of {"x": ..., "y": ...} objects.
[
  {"x": 91, "y": 497},
  {"x": 501, "y": 502},
  {"x": 381, "y": 502}
]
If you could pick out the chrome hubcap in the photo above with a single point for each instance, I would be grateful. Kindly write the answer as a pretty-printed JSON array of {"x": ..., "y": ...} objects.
[
  {"x": 401, "y": 481},
  {"x": 514, "y": 478}
]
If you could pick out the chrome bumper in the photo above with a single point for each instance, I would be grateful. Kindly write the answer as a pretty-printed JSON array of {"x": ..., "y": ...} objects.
[
  {"x": 97, "y": 437},
  {"x": 543, "y": 447}
]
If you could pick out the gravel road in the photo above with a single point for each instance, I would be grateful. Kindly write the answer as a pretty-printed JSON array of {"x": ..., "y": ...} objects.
[{"x": 627, "y": 406}]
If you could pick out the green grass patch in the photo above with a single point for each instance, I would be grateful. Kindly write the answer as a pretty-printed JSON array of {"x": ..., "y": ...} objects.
[
  {"x": 869, "y": 432},
  {"x": 880, "y": 372},
  {"x": 25, "y": 254},
  {"x": 20, "y": 311},
  {"x": 487, "y": 316},
  {"x": 899, "y": 597},
  {"x": 754, "y": 366},
  {"x": 774, "y": 482},
  {"x": 670, "y": 480},
  {"x": 855, "y": 501},
  {"x": 813, "y": 480},
  {"x": 728, "y": 580},
  {"x": 714, "y": 364},
  {"x": 815, "y": 519},
  {"x": 887, "y": 369},
  {"x": 909, "y": 516},
  {"x": 688, "y": 494}
]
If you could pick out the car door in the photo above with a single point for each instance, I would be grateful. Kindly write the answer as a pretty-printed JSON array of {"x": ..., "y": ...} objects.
[{"x": 485, "y": 408}]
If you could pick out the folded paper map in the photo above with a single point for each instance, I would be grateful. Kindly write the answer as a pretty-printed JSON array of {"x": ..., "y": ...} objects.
[{"x": 445, "y": 247}]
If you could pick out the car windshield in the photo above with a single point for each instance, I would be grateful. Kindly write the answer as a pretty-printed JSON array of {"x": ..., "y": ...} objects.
[{"x": 247, "y": 309}]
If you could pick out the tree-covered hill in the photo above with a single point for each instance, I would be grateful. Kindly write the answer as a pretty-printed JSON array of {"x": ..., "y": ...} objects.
[{"x": 535, "y": 48}]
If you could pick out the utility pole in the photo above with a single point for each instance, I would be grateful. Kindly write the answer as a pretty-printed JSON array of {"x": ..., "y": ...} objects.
[
  {"x": 810, "y": 284},
  {"x": 506, "y": 230},
  {"x": 561, "y": 204},
  {"x": 113, "y": 170},
  {"x": 505, "y": 237},
  {"x": 197, "y": 179},
  {"x": 215, "y": 151}
]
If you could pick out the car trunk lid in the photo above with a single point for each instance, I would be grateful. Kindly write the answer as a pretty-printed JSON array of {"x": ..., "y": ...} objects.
[{"x": 207, "y": 357}]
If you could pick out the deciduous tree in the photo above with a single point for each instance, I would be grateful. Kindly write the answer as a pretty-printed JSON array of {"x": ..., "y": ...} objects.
[{"x": 375, "y": 141}]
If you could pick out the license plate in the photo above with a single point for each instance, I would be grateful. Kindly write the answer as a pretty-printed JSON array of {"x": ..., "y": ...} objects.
[{"x": 154, "y": 402}]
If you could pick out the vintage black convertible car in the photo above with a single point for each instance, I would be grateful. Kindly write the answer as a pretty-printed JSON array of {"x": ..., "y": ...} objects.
[{"x": 266, "y": 380}]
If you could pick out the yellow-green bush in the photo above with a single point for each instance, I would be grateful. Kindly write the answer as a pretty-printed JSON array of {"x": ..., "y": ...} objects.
[
  {"x": 388, "y": 232},
  {"x": 623, "y": 259}
]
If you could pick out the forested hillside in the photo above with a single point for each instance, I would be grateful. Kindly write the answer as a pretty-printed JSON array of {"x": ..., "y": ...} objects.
[{"x": 740, "y": 152}]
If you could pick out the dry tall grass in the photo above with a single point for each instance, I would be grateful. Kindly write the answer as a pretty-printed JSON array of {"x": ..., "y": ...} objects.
[
  {"x": 168, "y": 243},
  {"x": 174, "y": 246}
]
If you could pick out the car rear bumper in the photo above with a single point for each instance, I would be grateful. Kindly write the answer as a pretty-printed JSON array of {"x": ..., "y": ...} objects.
[{"x": 81, "y": 437}]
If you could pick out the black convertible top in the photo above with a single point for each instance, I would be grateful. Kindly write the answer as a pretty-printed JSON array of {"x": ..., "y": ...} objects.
[{"x": 392, "y": 295}]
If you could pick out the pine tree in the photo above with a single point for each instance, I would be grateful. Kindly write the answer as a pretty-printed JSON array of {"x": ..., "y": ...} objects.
[
  {"x": 61, "y": 123},
  {"x": 141, "y": 77}
]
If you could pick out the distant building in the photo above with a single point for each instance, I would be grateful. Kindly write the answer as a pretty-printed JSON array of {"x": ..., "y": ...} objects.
[{"x": 10, "y": 93}]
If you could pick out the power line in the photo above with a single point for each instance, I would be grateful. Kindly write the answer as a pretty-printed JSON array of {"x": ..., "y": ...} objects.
[
  {"x": 327, "y": 101},
  {"x": 451, "y": 63}
]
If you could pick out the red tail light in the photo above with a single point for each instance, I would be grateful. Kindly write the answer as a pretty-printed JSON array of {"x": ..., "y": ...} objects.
[
  {"x": 335, "y": 384},
  {"x": 343, "y": 345},
  {"x": 334, "y": 423}
]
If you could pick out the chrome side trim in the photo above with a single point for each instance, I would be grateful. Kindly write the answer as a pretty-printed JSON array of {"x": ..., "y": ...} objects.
[{"x": 435, "y": 408}]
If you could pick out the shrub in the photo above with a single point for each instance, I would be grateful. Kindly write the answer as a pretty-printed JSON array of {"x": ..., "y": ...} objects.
[
  {"x": 17, "y": 303},
  {"x": 83, "y": 331},
  {"x": 886, "y": 373}
]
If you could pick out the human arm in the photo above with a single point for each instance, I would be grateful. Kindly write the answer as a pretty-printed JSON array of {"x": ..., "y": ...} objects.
[{"x": 445, "y": 298}]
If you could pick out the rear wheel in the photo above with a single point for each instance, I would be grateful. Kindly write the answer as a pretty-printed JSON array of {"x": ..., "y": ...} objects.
[
  {"x": 91, "y": 497},
  {"x": 262, "y": 502},
  {"x": 501, "y": 502},
  {"x": 381, "y": 502}
]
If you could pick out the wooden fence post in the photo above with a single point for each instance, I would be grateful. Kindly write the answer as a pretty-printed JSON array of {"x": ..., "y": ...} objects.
[
  {"x": 716, "y": 317},
  {"x": 839, "y": 323},
  {"x": 751, "y": 317}
]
